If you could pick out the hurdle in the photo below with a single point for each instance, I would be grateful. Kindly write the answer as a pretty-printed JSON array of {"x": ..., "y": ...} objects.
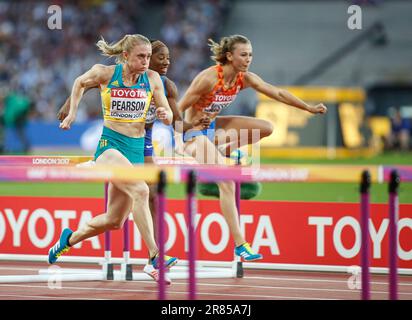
[
  {"x": 161, "y": 227},
  {"x": 393, "y": 187},
  {"x": 191, "y": 210},
  {"x": 365, "y": 262},
  {"x": 62, "y": 171},
  {"x": 393, "y": 232}
]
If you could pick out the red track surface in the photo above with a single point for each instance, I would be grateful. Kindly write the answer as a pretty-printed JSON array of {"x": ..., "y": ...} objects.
[{"x": 256, "y": 285}]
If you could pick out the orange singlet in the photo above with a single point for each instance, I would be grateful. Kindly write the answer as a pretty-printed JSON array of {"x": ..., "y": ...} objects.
[
  {"x": 220, "y": 98},
  {"x": 215, "y": 101}
]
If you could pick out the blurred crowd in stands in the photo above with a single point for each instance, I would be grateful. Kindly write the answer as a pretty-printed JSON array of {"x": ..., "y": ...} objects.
[
  {"x": 41, "y": 64},
  {"x": 186, "y": 28},
  {"x": 38, "y": 65}
]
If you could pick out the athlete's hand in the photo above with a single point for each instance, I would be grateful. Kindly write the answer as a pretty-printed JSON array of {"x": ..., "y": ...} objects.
[
  {"x": 63, "y": 112},
  {"x": 203, "y": 122},
  {"x": 161, "y": 113},
  {"x": 319, "y": 108},
  {"x": 65, "y": 124}
]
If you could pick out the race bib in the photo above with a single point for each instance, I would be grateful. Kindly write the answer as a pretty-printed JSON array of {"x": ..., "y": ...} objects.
[
  {"x": 127, "y": 104},
  {"x": 219, "y": 103}
]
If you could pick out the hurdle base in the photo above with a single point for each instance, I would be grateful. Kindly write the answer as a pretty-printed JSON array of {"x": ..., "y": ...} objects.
[
  {"x": 109, "y": 271},
  {"x": 239, "y": 270},
  {"x": 177, "y": 273},
  {"x": 53, "y": 277},
  {"x": 128, "y": 272}
]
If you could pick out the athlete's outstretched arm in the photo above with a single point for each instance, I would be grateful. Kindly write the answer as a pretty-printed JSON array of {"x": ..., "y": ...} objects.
[
  {"x": 282, "y": 95},
  {"x": 163, "y": 111},
  {"x": 97, "y": 75},
  {"x": 172, "y": 96}
]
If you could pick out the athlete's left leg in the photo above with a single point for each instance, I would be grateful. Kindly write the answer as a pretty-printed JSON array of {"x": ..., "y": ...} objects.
[{"x": 152, "y": 196}]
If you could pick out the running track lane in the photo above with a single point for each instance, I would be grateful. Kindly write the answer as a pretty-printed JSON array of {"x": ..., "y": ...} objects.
[{"x": 256, "y": 285}]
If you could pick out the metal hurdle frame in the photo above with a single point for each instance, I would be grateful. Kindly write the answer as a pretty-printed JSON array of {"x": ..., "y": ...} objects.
[
  {"x": 364, "y": 221},
  {"x": 393, "y": 187}
]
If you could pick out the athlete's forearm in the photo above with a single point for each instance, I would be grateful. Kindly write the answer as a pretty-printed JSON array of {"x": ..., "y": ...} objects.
[
  {"x": 66, "y": 105},
  {"x": 77, "y": 93},
  {"x": 286, "y": 97},
  {"x": 177, "y": 117},
  {"x": 64, "y": 110},
  {"x": 276, "y": 93},
  {"x": 169, "y": 118}
]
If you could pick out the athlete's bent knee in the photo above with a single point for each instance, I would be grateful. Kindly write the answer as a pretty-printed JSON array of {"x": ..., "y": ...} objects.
[
  {"x": 267, "y": 129},
  {"x": 141, "y": 192},
  {"x": 115, "y": 224},
  {"x": 152, "y": 192}
]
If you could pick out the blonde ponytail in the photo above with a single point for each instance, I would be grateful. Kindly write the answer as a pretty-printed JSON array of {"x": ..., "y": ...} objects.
[
  {"x": 125, "y": 44},
  {"x": 227, "y": 44}
]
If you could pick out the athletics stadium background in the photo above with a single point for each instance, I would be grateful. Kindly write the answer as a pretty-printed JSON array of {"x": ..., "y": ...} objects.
[{"x": 360, "y": 74}]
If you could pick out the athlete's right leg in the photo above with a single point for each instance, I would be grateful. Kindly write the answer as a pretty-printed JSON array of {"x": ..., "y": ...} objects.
[
  {"x": 139, "y": 195},
  {"x": 152, "y": 196},
  {"x": 121, "y": 197},
  {"x": 205, "y": 152},
  {"x": 118, "y": 206},
  {"x": 138, "y": 192},
  {"x": 149, "y": 268}
]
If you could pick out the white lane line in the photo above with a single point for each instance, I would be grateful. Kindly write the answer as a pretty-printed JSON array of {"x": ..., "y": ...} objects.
[
  {"x": 318, "y": 280},
  {"x": 170, "y": 292},
  {"x": 281, "y": 288},
  {"x": 251, "y": 277},
  {"x": 257, "y": 278},
  {"x": 19, "y": 268},
  {"x": 35, "y": 269},
  {"x": 45, "y": 297}
]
